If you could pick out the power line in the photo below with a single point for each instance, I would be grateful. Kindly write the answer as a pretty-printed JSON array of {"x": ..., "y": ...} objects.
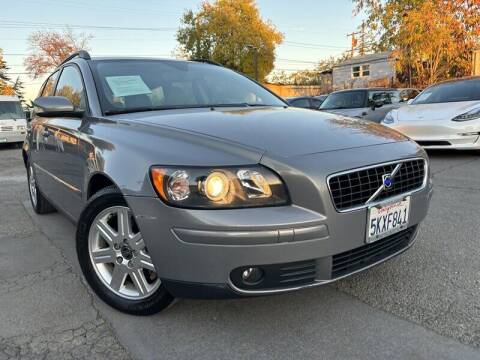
[{"x": 24, "y": 24}]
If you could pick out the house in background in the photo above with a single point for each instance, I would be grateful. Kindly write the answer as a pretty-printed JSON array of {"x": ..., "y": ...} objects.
[{"x": 365, "y": 71}]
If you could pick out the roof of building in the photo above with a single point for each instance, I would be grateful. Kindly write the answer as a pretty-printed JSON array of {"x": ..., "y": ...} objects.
[{"x": 366, "y": 58}]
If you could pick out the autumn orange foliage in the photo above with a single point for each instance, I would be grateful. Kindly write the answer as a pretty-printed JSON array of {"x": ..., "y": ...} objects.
[{"x": 49, "y": 48}]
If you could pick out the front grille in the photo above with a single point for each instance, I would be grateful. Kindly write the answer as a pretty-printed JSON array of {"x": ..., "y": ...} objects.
[
  {"x": 353, "y": 189},
  {"x": 363, "y": 256},
  {"x": 6, "y": 128},
  {"x": 278, "y": 276}
]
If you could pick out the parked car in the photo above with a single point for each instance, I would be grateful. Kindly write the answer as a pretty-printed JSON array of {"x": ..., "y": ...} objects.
[
  {"x": 186, "y": 179},
  {"x": 307, "y": 102},
  {"x": 369, "y": 104},
  {"x": 408, "y": 93},
  {"x": 444, "y": 116},
  {"x": 12, "y": 120}
]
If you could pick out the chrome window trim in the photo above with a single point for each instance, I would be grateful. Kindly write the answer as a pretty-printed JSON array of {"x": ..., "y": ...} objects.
[{"x": 390, "y": 199}]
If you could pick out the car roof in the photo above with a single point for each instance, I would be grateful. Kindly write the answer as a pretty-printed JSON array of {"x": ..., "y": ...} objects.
[
  {"x": 299, "y": 97},
  {"x": 9, "y": 98},
  {"x": 465, "y": 78},
  {"x": 365, "y": 89}
]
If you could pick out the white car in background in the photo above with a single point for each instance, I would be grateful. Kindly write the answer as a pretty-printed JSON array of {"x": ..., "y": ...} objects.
[
  {"x": 444, "y": 116},
  {"x": 13, "y": 125}
]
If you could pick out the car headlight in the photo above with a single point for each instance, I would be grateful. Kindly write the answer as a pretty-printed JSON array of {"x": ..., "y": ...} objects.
[
  {"x": 389, "y": 119},
  {"x": 470, "y": 115},
  {"x": 214, "y": 188}
]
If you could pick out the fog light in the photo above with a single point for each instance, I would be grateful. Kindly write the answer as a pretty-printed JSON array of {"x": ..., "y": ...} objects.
[{"x": 252, "y": 275}]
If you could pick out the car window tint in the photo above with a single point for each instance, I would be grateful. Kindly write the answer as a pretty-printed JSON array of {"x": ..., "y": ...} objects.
[
  {"x": 465, "y": 90},
  {"x": 49, "y": 84},
  {"x": 316, "y": 103},
  {"x": 387, "y": 97},
  {"x": 70, "y": 85},
  {"x": 302, "y": 103},
  {"x": 344, "y": 100}
]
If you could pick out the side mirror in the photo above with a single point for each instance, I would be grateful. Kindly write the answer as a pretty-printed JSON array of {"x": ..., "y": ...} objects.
[
  {"x": 28, "y": 114},
  {"x": 51, "y": 106},
  {"x": 376, "y": 104},
  {"x": 409, "y": 101}
]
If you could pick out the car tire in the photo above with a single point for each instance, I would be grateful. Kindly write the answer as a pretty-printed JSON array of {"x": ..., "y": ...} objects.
[
  {"x": 39, "y": 203},
  {"x": 94, "y": 227}
]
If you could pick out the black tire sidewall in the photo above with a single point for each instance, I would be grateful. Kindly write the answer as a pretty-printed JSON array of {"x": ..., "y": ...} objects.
[{"x": 156, "y": 302}]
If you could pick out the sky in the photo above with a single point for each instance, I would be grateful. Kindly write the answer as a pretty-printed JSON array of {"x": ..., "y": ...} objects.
[{"x": 313, "y": 29}]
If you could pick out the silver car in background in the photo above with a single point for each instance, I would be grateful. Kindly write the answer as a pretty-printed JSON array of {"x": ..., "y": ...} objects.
[
  {"x": 368, "y": 104},
  {"x": 444, "y": 116},
  {"x": 187, "y": 179}
]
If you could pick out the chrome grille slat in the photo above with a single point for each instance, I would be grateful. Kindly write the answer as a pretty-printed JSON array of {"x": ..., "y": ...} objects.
[{"x": 351, "y": 190}]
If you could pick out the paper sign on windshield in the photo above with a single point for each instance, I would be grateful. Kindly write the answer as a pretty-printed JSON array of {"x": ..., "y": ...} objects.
[{"x": 127, "y": 85}]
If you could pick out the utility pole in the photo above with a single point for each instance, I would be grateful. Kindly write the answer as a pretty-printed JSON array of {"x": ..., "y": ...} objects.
[
  {"x": 354, "y": 43},
  {"x": 255, "y": 59},
  {"x": 362, "y": 39}
]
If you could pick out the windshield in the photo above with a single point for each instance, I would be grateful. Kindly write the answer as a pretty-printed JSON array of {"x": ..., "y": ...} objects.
[
  {"x": 140, "y": 85},
  {"x": 466, "y": 90},
  {"x": 11, "y": 110},
  {"x": 344, "y": 100}
]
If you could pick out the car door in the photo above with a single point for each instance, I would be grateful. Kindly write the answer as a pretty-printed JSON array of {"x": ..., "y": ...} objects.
[
  {"x": 64, "y": 164},
  {"x": 390, "y": 99},
  {"x": 41, "y": 146}
]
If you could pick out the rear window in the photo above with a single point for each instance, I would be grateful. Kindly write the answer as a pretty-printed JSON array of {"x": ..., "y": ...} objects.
[
  {"x": 10, "y": 110},
  {"x": 344, "y": 100},
  {"x": 465, "y": 90}
]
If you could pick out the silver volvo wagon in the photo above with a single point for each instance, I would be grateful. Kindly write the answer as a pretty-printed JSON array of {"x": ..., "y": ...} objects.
[{"x": 187, "y": 179}]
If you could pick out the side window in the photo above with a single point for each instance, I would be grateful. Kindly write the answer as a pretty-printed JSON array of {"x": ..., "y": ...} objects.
[
  {"x": 355, "y": 71},
  {"x": 316, "y": 103},
  {"x": 49, "y": 84},
  {"x": 70, "y": 85},
  {"x": 302, "y": 103},
  {"x": 360, "y": 71},
  {"x": 387, "y": 97}
]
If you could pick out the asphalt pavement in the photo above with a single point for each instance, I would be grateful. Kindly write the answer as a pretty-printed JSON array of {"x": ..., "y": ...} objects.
[{"x": 424, "y": 304}]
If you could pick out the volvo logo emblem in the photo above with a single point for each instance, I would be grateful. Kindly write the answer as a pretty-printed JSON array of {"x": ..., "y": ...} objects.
[{"x": 387, "y": 181}]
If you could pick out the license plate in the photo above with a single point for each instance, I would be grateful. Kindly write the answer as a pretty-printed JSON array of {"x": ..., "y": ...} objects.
[
  {"x": 3, "y": 140},
  {"x": 387, "y": 219}
]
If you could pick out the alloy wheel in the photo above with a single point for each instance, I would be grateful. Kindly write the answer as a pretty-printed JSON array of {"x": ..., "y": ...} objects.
[
  {"x": 119, "y": 255},
  {"x": 32, "y": 185}
]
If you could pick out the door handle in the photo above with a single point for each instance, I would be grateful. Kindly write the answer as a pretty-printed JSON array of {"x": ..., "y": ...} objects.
[{"x": 364, "y": 113}]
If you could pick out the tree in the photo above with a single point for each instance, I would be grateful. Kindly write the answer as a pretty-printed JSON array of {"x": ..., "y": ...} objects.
[
  {"x": 433, "y": 39},
  {"x": 232, "y": 33},
  {"x": 49, "y": 48},
  {"x": 308, "y": 77},
  {"x": 5, "y": 87},
  {"x": 19, "y": 89}
]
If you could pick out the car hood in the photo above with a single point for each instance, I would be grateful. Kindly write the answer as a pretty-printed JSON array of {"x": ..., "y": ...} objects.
[
  {"x": 438, "y": 111},
  {"x": 284, "y": 132}
]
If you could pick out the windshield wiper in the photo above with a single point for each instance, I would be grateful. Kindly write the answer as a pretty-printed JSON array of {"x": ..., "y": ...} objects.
[{"x": 175, "y": 107}]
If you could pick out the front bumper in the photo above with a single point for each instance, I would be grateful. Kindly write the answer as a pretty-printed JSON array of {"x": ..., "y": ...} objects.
[
  {"x": 460, "y": 136},
  {"x": 12, "y": 136},
  {"x": 196, "y": 251}
]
